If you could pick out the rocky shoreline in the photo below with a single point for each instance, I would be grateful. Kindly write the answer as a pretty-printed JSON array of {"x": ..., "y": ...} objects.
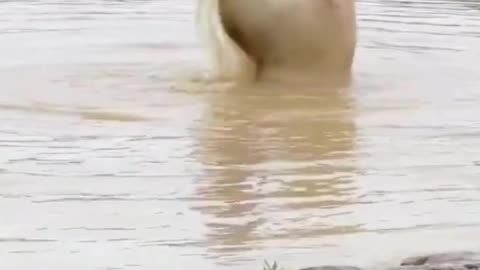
[{"x": 465, "y": 260}]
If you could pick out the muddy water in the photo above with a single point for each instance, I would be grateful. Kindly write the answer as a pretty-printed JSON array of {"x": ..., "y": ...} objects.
[{"x": 111, "y": 159}]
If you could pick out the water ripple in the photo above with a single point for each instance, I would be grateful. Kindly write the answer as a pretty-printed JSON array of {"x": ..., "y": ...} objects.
[{"x": 103, "y": 152}]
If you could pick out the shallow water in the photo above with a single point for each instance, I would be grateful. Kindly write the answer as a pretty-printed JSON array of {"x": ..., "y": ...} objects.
[{"x": 112, "y": 159}]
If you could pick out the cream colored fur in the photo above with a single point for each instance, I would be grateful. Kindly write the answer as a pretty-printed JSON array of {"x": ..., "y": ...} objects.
[
  {"x": 228, "y": 60},
  {"x": 285, "y": 38}
]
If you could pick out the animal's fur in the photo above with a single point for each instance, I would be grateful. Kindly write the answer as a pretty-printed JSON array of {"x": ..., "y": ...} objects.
[{"x": 271, "y": 39}]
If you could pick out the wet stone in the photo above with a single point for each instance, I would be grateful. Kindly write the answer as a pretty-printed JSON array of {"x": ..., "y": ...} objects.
[
  {"x": 431, "y": 267},
  {"x": 442, "y": 261},
  {"x": 465, "y": 260},
  {"x": 442, "y": 258},
  {"x": 332, "y": 267},
  {"x": 407, "y": 267}
]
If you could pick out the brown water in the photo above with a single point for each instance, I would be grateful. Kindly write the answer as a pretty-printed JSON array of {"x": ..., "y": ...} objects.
[{"x": 111, "y": 159}]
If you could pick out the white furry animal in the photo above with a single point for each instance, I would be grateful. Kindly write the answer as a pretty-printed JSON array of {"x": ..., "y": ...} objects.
[{"x": 251, "y": 40}]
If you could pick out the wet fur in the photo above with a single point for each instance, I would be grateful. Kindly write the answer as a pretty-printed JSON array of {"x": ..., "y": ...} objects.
[{"x": 251, "y": 40}]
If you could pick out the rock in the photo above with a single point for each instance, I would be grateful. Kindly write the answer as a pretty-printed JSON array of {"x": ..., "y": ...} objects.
[
  {"x": 332, "y": 267},
  {"x": 408, "y": 267},
  {"x": 420, "y": 260},
  {"x": 465, "y": 260},
  {"x": 473, "y": 266},
  {"x": 431, "y": 267},
  {"x": 442, "y": 258}
]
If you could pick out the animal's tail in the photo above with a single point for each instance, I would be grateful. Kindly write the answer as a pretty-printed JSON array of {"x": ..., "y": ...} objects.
[{"x": 229, "y": 60}]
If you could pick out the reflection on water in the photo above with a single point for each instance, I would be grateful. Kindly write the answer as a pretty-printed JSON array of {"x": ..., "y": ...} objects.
[
  {"x": 265, "y": 148},
  {"x": 111, "y": 160}
]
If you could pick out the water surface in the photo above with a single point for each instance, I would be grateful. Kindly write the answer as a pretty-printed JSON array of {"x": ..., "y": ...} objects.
[{"x": 112, "y": 159}]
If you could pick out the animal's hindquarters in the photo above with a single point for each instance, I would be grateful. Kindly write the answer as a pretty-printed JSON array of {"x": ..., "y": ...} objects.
[{"x": 279, "y": 38}]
